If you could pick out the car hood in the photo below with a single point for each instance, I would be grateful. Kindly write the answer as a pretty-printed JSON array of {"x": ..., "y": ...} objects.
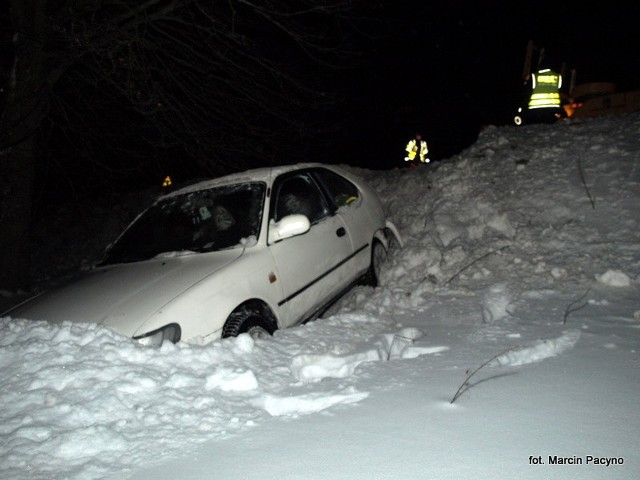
[{"x": 124, "y": 296}]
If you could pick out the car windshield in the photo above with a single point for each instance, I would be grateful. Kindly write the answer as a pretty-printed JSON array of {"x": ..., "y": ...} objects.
[{"x": 201, "y": 221}]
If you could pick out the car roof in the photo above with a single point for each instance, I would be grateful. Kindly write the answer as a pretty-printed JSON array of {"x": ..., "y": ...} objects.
[{"x": 263, "y": 174}]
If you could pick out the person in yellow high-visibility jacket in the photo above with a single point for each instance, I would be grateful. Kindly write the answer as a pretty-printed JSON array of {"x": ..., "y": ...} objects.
[
  {"x": 543, "y": 102},
  {"x": 546, "y": 86},
  {"x": 417, "y": 150}
]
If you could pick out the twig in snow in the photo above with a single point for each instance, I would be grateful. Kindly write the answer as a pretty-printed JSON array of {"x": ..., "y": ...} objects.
[
  {"x": 466, "y": 385},
  {"x": 475, "y": 261},
  {"x": 570, "y": 308},
  {"x": 591, "y": 199}
]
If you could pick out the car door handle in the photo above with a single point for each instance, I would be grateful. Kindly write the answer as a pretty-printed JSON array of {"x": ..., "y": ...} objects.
[{"x": 341, "y": 232}]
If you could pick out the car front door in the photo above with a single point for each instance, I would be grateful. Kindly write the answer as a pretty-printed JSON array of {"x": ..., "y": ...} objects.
[{"x": 313, "y": 267}]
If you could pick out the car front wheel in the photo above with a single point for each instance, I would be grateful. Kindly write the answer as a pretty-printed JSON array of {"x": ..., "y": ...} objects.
[{"x": 248, "y": 320}]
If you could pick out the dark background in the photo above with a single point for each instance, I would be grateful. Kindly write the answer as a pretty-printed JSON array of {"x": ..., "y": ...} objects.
[
  {"x": 444, "y": 68},
  {"x": 449, "y": 68}
]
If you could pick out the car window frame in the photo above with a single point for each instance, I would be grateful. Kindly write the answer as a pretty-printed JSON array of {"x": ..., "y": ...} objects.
[
  {"x": 330, "y": 196},
  {"x": 328, "y": 208},
  {"x": 178, "y": 205}
]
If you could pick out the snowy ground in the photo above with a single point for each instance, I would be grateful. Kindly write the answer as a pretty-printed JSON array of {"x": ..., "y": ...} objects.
[{"x": 526, "y": 247}]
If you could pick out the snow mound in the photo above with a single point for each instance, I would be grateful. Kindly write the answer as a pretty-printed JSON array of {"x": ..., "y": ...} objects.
[
  {"x": 614, "y": 278},
  {"x": 309, "y": 368},
  {"x": 313, "y": 368},
  {"x": 305, "y": 404},
  {"x": 496, "y": 301},
  {"x": 540, "y": 350}
]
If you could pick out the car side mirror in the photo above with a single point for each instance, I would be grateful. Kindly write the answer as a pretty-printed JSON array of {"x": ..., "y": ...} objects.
[{"x": 287, "y": 227}]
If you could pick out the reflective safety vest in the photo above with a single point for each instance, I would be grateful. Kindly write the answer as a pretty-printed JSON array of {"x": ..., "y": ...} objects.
[
  {"x": 412, "y": 150},
  {"x": 546, "y": 90}
]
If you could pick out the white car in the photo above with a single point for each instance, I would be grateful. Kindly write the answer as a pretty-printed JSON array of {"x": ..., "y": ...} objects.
[{"x": 250, "y": 252}]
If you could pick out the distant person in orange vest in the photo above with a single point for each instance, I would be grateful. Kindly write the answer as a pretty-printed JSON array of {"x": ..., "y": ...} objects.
[{"x": 417, "y": 151}]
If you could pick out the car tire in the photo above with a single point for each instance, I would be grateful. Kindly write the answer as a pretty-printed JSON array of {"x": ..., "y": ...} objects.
[
  {"x": 248, "y": 320},
  {"x": 378, "y": 257}
]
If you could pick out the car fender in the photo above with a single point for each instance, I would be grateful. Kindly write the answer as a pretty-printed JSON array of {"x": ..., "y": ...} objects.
[
  {"x": 209, "y": 302},
  {"x": 383, "y": 235},
  {"x": 390, "y": 227},
  {"x": 380, "y": 235}
]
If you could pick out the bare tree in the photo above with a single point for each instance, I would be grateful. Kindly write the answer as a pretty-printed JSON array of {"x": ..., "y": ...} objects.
[{"x": 228, "y": 84}]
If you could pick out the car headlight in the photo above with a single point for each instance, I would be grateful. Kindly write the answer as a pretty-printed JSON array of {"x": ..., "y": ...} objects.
[{"x": 156, "y": 338}]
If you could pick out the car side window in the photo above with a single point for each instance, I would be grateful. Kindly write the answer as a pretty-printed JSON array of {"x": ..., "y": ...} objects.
[
  {"x": 340, "y": 190},
  {"x": 299, "y": 194}
]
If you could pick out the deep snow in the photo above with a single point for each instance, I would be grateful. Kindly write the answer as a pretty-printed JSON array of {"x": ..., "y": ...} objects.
[{"x": 526, "y": 244}]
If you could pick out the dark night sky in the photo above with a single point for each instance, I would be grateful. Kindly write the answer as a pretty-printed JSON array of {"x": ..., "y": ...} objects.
[{"x": 447, "y": 68}]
